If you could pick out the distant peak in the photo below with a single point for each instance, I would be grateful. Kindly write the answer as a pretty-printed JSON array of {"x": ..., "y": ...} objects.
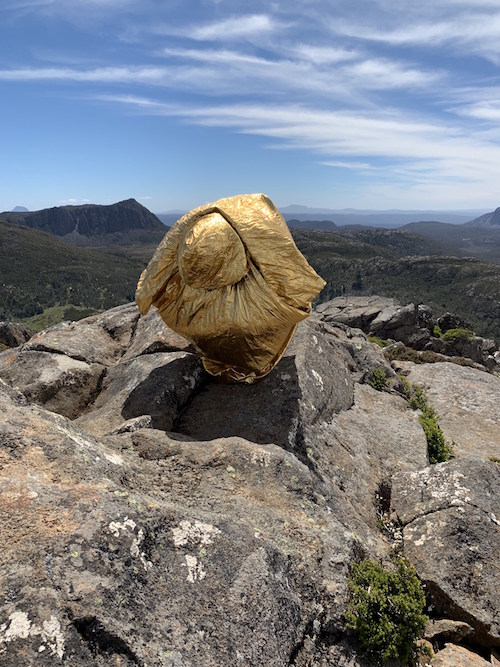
[{"x": 20, "y": 209}]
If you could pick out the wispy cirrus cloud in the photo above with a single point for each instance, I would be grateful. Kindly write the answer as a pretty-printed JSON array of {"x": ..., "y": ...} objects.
[
  {"x": 322, "y": 55},
  {"x": 246, "y": 72},
  {"x": 489, "y": 111},
  {"x": 98, "y": 75},
  {"x": 233, "y": 27},
  {"x": 222, "y": 72},
  {"x": 385, "y": 74},
  {"x": 469, "y": 32},
  {"x": 442, "y": 152},
  {"x": 356, "y": 166}
]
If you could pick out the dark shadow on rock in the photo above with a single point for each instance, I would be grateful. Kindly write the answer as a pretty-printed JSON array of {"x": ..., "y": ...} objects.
[
  {"x": 165, "y": 392},
  {"x": 264, "y": 413},
  {"x": 103, "y": 643}
]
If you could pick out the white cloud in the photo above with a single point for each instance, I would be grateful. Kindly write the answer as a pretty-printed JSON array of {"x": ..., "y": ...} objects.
[
  {"x": 73, "y": 202},
  {"x": 473, "y": 32},
  {"x": 357, "y": 166},
  {"x": 234, "y": 27},
  {"x": 482, "y": 110},
  {"x": 413, "y": 150},
  {"x": 385, "y": 74},
  {"x": 125, "y": 74},
  {"x": 323, "y": 55},
  {"x": 238, "y": 72},
  {"x": 218, "y": 72},
  {"x": 323, "y": 77}
]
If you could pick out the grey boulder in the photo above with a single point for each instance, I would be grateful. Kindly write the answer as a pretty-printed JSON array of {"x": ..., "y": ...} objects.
[{"x": 451, "y": 518}]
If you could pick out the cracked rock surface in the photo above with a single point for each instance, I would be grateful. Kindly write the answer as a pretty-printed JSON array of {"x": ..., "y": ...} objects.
[
  {"x": 467, "y": 401},
  {"x": 152, "y": 517},
  {"x": 451, "y": 519}
]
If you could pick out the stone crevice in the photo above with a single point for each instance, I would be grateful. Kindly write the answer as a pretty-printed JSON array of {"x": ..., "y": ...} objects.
[
  {"x": 442, "y": 509},
  {"x": 105, "y": 643}
]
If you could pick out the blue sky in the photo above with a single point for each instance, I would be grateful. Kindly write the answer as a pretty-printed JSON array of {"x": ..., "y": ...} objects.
[{"x": 342, "y": 103}]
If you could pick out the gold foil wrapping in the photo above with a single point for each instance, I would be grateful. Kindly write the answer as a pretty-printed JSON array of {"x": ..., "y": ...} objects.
[{"x": 230, "y": 279}]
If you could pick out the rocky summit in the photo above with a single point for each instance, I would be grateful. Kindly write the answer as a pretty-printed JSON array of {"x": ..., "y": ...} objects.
[{"x": 151, "y": 516}]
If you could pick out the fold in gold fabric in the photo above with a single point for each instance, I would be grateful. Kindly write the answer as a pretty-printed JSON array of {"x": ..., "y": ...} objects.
[{"x": 230, "y": 279}]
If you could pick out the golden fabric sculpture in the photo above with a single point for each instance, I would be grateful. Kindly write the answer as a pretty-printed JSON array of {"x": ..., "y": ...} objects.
[{"x": 230, "y": 279}]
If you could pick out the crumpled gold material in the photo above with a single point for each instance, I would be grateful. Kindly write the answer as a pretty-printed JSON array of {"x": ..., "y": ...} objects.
[{"x": 230, "y": 279}]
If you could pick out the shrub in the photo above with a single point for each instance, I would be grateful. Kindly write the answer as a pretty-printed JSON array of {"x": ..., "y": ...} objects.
[
  {"x": 418, "y": 398},
  {"x": 402, "y": 353},
  {"x": 453, "y": 335},
  {"x": 379, "y": 379},
  {"x": 438, "y": 448},
  {"x": 437, "y": 331},
  {"x": 386, "y": 609},
  {"x": 378, "y": 341}
]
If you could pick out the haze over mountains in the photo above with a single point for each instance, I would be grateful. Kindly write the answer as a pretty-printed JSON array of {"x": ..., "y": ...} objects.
[{"x": 309, "y": 217}]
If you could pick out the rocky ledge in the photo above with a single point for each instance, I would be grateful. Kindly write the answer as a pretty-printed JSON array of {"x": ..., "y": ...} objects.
[
  {"x": 414, "y": 326},
  {"x": 152, "y": 517}
]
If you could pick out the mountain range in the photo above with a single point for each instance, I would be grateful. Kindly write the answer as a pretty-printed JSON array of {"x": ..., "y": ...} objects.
[{"x": 92, "y": 224}]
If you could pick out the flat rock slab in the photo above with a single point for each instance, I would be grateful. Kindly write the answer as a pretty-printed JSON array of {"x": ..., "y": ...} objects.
[
  {"x": 60, "y": 383},
  {"x": 451, "y": 517},
  {"x": 366, "y": 445},
  {"x": 356, "y": 302},
  {"x": 355, "y": 311},
  {"x": 458, "y": 656},
  {"x": 100, "y": 339},
  {"x": 468, "y": 403},
  {"x": 156, "y": 385}
]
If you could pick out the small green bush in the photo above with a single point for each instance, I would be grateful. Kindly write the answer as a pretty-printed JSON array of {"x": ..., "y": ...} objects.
[
  {"x": 379, "y": 380},
  {"x": 378, "y": 341},
  {"x": 438, "y": 448},
  {"x": 418, "y": 398},
  {"x": 453, "y": 335},
  {"x": 495, "y": 459},
  {"x": 437, "y": 331},
  {"x": 386, "y": 609},
  {"x": 402, "y": 353}
]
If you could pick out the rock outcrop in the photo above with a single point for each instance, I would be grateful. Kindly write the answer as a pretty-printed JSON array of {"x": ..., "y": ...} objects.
[
  {"x": 153, "y": 517},
  {"x": 414, "y": 326},
  {"x": 13, "y": 334}
]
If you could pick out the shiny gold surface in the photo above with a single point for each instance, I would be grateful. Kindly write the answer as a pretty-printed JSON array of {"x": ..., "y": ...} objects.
[{"x": 230, "y": 279}]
